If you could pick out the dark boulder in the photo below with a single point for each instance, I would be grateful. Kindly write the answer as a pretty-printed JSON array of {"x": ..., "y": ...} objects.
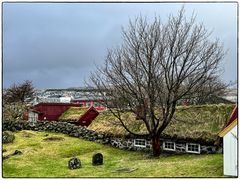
[
  {"x": 6, "y": 157},
  {"x": 7, "y": 137},
  {"x": 17, "y": 152},
  {"x": 74, "y": 163},
  {"x": 53, "y": 138},
  {"x": 97, "y": 159}
]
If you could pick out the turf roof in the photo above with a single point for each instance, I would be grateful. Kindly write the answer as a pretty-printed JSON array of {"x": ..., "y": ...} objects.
[
  {"x": 72, "y": 114},
  {"x": 201, "y": 123}
]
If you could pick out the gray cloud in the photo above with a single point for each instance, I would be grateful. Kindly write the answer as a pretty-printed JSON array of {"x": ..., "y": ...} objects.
[{"x": 57, "y": 44}]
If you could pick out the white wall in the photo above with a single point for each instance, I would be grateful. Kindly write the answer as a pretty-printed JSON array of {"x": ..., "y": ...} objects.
[
  {"x": 230, "y": 153},
  {"x": 65, "y": 99},
  {"x": 32, "y": 117}
]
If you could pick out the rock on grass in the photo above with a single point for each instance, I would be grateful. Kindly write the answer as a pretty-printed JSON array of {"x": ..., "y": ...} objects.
[
  {"x": 74, "y": 163},
  {"x": 53, "y": 138},
  {"x": 97, "y": 159},
  {"x": 7, "y": 137}
]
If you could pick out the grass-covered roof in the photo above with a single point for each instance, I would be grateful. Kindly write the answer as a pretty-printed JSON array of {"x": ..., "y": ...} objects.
[
  {"x": 73, "y": 114},
  {"x": 190, "y": 122}
]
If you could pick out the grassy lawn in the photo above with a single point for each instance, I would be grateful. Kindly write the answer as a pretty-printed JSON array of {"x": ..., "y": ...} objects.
[{"x": 42, "y": 158}]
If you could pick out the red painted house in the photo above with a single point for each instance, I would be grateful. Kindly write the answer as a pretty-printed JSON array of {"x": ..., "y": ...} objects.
[{"x": 52, "y": 112}]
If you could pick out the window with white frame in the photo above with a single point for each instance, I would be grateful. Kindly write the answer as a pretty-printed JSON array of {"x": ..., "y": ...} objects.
[
  {"x": 140, "y": 142},
  {"x": 169, "y": 146},
  {"x": 193, "y": 148}
]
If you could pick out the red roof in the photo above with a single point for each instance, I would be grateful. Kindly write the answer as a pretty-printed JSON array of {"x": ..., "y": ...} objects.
[
  {"x": 233, "y": 116},
  {"x": 232, "y": 122}
]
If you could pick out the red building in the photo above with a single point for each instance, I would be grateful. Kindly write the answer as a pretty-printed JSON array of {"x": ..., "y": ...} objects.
[
  {"x": 97, "y": 104},
  {"x": 52, "y": 112},
  {"x": 88, "y": 117},
  {"x": 79, "y": 115}
]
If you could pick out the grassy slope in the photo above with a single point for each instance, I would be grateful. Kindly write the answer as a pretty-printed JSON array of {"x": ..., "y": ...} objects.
[
  {"x": 49, "y": 159},
  {"x": 193, "y": 122}
]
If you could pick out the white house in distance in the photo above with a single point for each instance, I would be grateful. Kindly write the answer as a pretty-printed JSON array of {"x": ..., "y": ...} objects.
[{"x": 230, "y": 145}]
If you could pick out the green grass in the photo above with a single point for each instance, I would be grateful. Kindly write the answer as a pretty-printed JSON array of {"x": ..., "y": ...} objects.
[
  {"x": 72, "y": 114},
  {"x": 195, "y": 122},
  {"x": 43, "y": 158}
]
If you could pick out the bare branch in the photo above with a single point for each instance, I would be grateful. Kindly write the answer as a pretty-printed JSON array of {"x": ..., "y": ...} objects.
[{"x": 157, "y": 66}]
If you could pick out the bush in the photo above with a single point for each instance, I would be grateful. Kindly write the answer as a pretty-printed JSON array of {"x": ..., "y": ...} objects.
[{"x": 7, "y": 137}]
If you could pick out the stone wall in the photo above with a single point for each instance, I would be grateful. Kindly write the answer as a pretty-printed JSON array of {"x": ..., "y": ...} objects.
[
  {"x": 128, "y": 144},
  {"x": 61, "y": 127},
  {"x": 83, "y": 133}
]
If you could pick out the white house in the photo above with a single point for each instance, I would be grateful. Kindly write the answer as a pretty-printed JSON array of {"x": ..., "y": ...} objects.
[
  {"x": 65, "y": 99},
  {"x": 230, "y": 145},
  {"x": 32, "y": 116}
]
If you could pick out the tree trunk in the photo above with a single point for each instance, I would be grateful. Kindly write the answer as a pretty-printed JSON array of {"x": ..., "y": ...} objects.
[{"x": 156, "y": 146}]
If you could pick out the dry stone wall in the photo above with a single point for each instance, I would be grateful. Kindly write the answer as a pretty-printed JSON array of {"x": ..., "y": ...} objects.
[
  {"x": 61, "y": 127},
  {"x": 83, "y": 133}
]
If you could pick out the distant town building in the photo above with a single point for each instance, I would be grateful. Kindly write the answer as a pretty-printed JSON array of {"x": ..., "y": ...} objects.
[{"x": 82, "y": 96}]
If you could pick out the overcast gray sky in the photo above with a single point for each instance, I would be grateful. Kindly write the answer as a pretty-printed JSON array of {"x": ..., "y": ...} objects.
[{"x": 57, "y": 45}]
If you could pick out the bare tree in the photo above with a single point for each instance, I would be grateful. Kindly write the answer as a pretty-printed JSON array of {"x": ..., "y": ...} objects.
[
  {"x": 21, "y": 92},
  {"x": 15, "y": 99},
  {"x": 156, "y": 66},
  {"x": 209, "y": 93}
]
